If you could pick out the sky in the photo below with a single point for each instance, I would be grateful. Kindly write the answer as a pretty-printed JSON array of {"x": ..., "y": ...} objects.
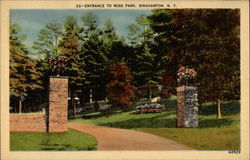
[{"x": 32, "y": 21}]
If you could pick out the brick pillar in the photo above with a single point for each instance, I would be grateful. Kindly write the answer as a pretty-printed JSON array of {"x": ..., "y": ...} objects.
[
  {"x": 187, "y": 106},
  {"x": 58, "y": 104}
]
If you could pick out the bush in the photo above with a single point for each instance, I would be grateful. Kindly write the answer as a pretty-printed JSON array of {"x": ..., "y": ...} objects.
[
  {"x": 120, "y": 90},
  {"x": 149, "y": 108}
]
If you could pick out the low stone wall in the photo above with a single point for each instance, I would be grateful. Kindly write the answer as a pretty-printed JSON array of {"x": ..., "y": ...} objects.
[
  {"x": 56, "y": 117},
  {"x": 28, "y": 122}
]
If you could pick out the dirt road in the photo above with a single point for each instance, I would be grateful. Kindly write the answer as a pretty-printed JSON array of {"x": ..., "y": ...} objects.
[{"x": 124, "y": 139}]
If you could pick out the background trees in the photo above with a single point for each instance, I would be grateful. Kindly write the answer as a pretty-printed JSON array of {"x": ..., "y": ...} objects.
[
  {"x": 220, "y": 67},
  {"x": 47, "y": 41},
  {"x": 146, "y": 63},
  {"x": 69, "y": 46},
  {"x": 157, "y": 44},
  {"x": 24, "y": 78},
  {"x": 95, "y": 57},
  {"x": 207, "y": 40}
]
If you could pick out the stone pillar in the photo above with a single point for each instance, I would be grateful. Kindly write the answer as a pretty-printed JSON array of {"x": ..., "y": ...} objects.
[
  {"x": 58, "y": 104},
  {"x": 187, "y": 107}
]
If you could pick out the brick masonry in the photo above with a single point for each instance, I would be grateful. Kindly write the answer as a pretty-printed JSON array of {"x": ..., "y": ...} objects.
[
  {"x": 58, "y": 104},
  {"x": 28, "y": 122},
  {"x": 187, "y": 106}
]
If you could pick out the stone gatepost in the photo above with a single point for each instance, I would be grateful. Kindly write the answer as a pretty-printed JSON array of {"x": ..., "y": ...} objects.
[
  {"x": 187, "y": 107},
  {"x": 58, "y": 104}
]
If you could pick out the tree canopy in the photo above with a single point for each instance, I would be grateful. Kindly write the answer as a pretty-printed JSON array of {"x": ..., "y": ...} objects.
[
  {"x": 158, "y": 44},
  {"x": 24, "y": 78}
]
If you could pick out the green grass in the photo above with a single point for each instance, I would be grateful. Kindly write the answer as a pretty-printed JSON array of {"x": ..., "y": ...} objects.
[
  {"x": 212, "y": 133},
  {"x": 201, "y": 139},
  {"x": 71, "y": 140}
]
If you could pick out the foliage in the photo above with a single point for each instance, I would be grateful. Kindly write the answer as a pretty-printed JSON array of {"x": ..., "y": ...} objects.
[
  {"x": 160, "y": 23},
  {"x": 145, "y": 69},
  {"x": 208, "y": 41},
  {"x": 48, "y": 38},
  {"x": 71, "y": 140},
  {"x": 146, "y": 63},
  {"x": 24, "y": 78},
  {"x": 94, "y": 55},
  {"x": 120, "y": 91},
  {"x": 70, "y": 47}
]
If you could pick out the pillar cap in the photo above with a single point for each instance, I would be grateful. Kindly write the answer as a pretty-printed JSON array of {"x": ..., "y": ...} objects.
[
  {"x": 189, "y": 87},
  {"x": 62, "y": 77}
]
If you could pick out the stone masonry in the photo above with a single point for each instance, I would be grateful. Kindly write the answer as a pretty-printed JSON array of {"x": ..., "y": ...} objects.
[
  {"x": 58, "y": 104},
  {"x": 187, "y": 107},
  {"x": 28, "y": 122},
  {"x": 54, "y": 119}
]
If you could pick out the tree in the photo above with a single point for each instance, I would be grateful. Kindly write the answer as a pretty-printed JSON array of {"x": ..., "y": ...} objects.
[
  {"x": 147, "y": 63},
  {"x": 95, "y": 56},
  {"x": 220, "y": 71},
  {"x": 48, "y": 38},
  {"x": 165, "y": 46},
  {"x": 206, "y": 40},
  {"x": 70, "y": 47},
  {"x": 120, "y": 91},
  {"x": 133, "y": 33},
  {"x": 45, "y": 46},
  {"x": 111, "y": 42},
  {"x": 24, "y": 78}
]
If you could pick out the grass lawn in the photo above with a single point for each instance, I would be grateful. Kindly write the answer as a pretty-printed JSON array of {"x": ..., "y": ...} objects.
[
  {"x": 71, "y": 140},
  {"x": 202, "y": 139},
  {"x": 212, "y": 133}
]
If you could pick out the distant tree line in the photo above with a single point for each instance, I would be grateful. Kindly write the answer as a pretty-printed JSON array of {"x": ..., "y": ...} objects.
[{"x": 157, "y": 44}]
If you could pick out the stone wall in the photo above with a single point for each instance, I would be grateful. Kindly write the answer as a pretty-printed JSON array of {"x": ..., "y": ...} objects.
[
  {"x": 28, "y": 122},
  {"x": 58, "y": 104},
  {"x": 56, "y": 117},
  {"x": 187, "y": 106}
]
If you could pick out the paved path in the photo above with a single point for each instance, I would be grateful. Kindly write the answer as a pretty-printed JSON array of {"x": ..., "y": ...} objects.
[{"x": 124, "y": 139}]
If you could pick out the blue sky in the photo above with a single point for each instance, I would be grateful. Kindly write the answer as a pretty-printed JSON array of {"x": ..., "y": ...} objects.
[{"x": 32, "y": 21}]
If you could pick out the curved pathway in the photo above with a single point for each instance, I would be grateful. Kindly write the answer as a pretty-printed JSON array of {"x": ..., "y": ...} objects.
[{"x": 124, "y": 139}]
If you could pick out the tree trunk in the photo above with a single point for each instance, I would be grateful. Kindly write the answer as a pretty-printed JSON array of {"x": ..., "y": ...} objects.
[
  {"x": 121, "y": 110},
  {"x": 90, "y": 96},
  {"x": 74, "y": 109},
  {"x": 73, "y": 97},
  {"x": 149, "y": 92},
  {"x": 72, "y": 103},
  {"x": 20, "y": 106},
  {"x": 218, "y": 109}
]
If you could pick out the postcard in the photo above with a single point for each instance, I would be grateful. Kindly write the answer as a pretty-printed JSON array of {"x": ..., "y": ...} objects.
[{"x": 124, "y": 79}]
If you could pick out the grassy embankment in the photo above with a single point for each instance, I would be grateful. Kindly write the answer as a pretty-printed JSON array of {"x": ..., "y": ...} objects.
[
  {"x": 212, "y": 133},
  {"x": 71, "y": 140}
]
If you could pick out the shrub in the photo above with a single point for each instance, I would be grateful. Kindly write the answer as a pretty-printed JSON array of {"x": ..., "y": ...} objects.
[
  {"x": 148, "y": 108},
  {"x": 120, "y": 91}
]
